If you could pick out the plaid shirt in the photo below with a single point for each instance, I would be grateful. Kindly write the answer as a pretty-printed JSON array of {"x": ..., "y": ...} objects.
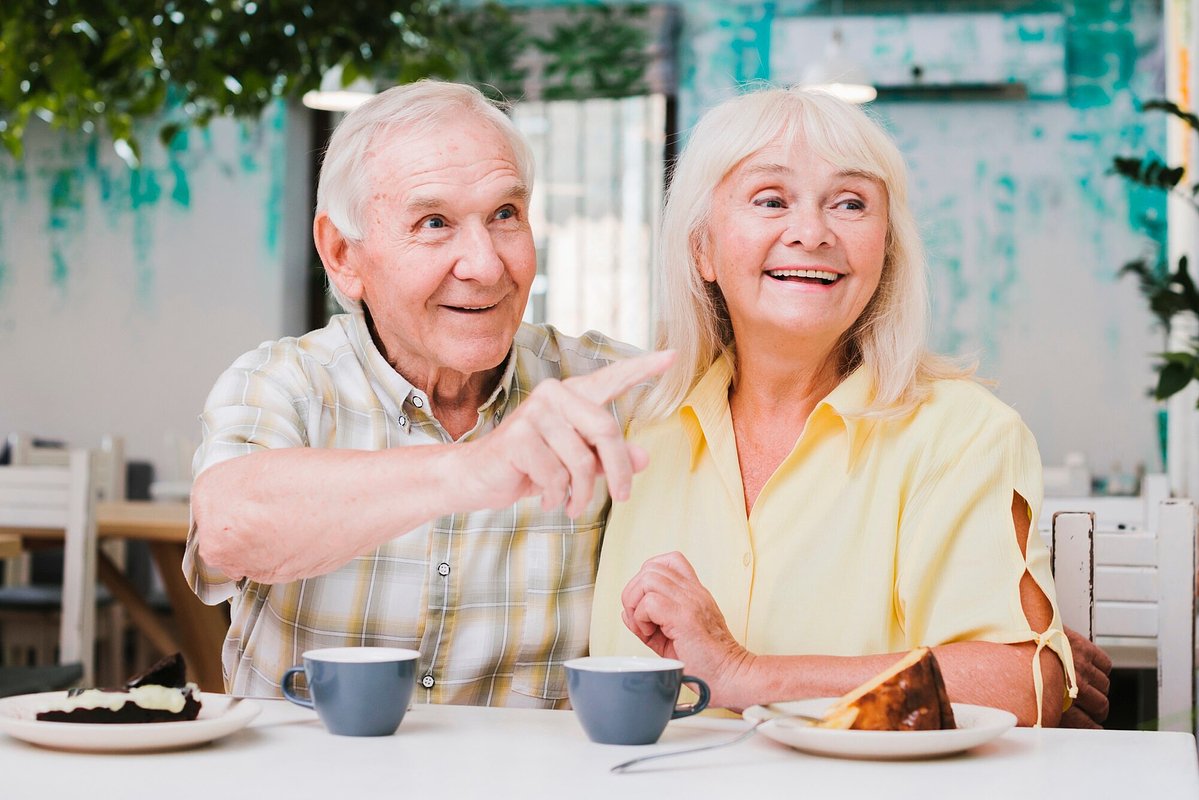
[{"x": 495, "y": 601}]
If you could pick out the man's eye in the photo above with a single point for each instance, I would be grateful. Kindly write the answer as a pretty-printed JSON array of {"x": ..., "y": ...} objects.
[
  {"x": 433, "y": 222},
  {"x": 507, "y": 212}
]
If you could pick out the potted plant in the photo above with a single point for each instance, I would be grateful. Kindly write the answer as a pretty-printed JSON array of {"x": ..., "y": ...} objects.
[{"x": 1169, "y": 291}]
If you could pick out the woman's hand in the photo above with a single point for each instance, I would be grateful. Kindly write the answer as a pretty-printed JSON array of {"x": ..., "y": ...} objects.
[{"x": 667, "y": 607}]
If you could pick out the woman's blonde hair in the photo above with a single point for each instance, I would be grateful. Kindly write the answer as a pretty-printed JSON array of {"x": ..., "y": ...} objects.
[
  {"x": 416, "y": 108},
  {"x": 890, "y": 338}
]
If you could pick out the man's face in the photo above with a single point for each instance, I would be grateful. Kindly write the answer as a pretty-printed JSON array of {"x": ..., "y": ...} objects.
[{"x": 446, "y": 259}]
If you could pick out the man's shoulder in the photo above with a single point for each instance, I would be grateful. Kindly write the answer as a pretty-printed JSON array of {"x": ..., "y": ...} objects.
[
  {"x": 571, "y": 355},
  {"x": 316, "y": 348}
]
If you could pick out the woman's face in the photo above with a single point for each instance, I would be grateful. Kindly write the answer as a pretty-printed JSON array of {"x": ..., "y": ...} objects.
[{"x": 797, "y": 247}]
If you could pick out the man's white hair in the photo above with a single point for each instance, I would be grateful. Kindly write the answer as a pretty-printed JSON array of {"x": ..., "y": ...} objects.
[
  {"x": 411, "y": 110},
  {"x": 889, "y": 338}
]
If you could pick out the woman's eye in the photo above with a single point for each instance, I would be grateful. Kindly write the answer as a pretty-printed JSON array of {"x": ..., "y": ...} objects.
[
  {"x": 851, "y": 204},
  {"x": 433, "y": 222},
  {"x": 769, "y": 202}
]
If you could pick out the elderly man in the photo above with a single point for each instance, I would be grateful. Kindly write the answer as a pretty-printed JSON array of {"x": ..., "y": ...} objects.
[{"x": 422, "y": 471}]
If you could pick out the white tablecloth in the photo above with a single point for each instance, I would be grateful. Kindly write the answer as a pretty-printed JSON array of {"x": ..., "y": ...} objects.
[{"x": 466, "y": 752}]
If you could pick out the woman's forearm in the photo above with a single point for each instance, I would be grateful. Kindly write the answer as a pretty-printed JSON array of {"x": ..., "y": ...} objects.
[{"x": 980, "y": 673}]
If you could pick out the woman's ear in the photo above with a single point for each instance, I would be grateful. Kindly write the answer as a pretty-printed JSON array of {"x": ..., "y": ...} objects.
[
  {"x": 699, "y": 254},
  {"x": 334, "y": 250}
]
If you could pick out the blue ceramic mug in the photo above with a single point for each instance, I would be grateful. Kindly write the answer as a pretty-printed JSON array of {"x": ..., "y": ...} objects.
[
  {"x": 629, "y": 700},
  {"x": 357, "y": 691}
]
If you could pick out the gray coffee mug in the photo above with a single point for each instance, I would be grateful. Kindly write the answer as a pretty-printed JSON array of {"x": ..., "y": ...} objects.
[
  {"x": 629, "y": 700},
  {"x": 357, "y": 691}
]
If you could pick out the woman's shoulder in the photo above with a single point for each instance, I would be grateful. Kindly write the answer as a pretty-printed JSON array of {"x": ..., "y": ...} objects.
[
  {"x": 960, "y": 413},
  {"x": 967, "y": 399}
]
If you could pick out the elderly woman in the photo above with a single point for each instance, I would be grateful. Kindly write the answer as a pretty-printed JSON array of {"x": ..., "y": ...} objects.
[{"x": 833, "y": 492}]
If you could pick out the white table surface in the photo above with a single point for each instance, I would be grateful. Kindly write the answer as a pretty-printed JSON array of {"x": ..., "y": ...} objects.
[{"x": 464, "y": 752}]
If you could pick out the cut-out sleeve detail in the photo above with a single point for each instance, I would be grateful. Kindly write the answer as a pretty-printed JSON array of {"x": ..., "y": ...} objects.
[
  {"x": 1044, "y": 640},
  {"x": 959, "y": 566}
]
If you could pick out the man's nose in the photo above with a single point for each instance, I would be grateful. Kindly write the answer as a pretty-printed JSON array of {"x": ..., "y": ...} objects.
[
  {"x": 479, "y": 259},
  {"x": 808, "y": 228}
]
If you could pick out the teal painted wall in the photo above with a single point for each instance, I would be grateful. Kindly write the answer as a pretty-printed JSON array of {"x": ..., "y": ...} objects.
[{"x": 124, "y": 292}]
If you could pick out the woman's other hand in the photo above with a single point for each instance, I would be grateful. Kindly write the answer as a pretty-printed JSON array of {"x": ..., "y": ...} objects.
[{"x": 668, "y": 609}]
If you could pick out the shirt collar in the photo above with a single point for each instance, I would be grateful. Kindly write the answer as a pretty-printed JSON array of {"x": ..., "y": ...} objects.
[
  {"x": 706, "y": 407},
  {"x": 391, "y": 384}
]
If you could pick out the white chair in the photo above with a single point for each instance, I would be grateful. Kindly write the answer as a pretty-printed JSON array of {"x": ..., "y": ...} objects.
[
  {"x": 61, "y": 498},
  {"x": 1132, "y": 590},
  {"x": 29, "y": 610}
]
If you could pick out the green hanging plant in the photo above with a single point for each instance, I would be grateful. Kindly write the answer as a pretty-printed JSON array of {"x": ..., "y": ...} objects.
[
  {"x": 1169, "y": 292},
  {"x": 91, "y": 64}
]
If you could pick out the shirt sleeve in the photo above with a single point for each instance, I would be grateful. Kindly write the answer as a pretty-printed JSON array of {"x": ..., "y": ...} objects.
[
  {"x": 257, "y": 404},
  {"x": 959, "y": 560}
]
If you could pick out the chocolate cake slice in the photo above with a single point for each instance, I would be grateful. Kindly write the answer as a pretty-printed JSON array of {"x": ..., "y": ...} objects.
[
  {"x": 909, "y": 696},
  {"x": 160, "y": 694}
]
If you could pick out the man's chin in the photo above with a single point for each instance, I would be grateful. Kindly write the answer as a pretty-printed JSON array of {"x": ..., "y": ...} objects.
[{"x": 482, "y": 354}]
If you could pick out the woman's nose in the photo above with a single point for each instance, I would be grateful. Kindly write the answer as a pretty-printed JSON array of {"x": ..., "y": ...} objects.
[{"x": 808, "y": 228}]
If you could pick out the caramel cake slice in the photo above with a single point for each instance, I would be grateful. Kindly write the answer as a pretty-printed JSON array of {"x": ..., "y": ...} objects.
[
  {"x": 910, "y": 696},
  {"x": 160, "y": 694}
]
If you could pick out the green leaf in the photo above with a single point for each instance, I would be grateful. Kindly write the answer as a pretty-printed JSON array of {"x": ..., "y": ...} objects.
[
  {"x": 1173, "y": 109},
  {"x": 168, "y": 132},
  {"x": 1173, "y": 377}
]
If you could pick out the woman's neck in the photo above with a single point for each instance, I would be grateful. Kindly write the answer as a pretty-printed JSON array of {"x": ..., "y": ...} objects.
[
  {"x": 781, "y": 386},
  {"x": 770, "y": 401}
]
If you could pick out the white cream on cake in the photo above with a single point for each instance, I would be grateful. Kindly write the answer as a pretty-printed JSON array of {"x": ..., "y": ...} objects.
[{"x": 154, "y": 698}]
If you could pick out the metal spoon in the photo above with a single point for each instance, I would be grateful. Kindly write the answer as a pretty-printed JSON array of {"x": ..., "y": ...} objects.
[{"x": 774, "y": 711}]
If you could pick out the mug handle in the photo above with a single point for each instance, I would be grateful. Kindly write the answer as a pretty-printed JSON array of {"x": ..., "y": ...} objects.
[
  {"x": 694, "y": 708},
  {"x": 285, "y": 685}
]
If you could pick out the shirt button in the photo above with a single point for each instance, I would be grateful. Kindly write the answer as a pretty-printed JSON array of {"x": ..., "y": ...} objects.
[
  {"x": 443, "y": 569},
  {"x": 416, "y": 401},
  {"x": 496, "y": 417},
  {"x": 427, "y": 681},
  {"x": 746, "y": 559},
  {"x": 403, "y": 421}
]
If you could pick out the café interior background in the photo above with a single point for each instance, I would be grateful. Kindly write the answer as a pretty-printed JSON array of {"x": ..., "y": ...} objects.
[{"x": 124, "y": 292}]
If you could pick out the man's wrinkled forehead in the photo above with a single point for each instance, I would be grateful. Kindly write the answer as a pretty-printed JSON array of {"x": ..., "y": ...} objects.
[{"x": 389, "y": 152}]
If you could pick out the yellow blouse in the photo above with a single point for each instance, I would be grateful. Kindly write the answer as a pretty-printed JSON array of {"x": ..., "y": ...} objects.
[{"x": 870, "y": 537}]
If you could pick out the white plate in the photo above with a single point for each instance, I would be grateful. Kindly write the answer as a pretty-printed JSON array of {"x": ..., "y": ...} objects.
[
  {"x": 18, "y": 718},
  {"x": 976, "y": 725}
]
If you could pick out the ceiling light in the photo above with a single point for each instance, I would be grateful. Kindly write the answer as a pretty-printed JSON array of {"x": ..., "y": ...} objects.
[
  {"x": 840, "y": 75},
  {"x": 333, "y": 96}
]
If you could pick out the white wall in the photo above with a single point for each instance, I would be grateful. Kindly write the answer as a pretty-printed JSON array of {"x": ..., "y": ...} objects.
[{"x": 123, "y": 294}]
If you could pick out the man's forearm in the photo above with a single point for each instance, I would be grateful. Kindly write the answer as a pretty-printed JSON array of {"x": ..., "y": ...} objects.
[{"x": 281, "y": 515}]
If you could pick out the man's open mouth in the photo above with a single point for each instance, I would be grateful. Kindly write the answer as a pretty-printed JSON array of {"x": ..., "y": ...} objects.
[
  {"x": 817, "y": 276},
  {"x": 472, "y": 309}
]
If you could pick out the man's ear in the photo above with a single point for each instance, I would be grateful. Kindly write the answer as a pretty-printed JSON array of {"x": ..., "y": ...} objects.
[{"x": 334, "y": 250}]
